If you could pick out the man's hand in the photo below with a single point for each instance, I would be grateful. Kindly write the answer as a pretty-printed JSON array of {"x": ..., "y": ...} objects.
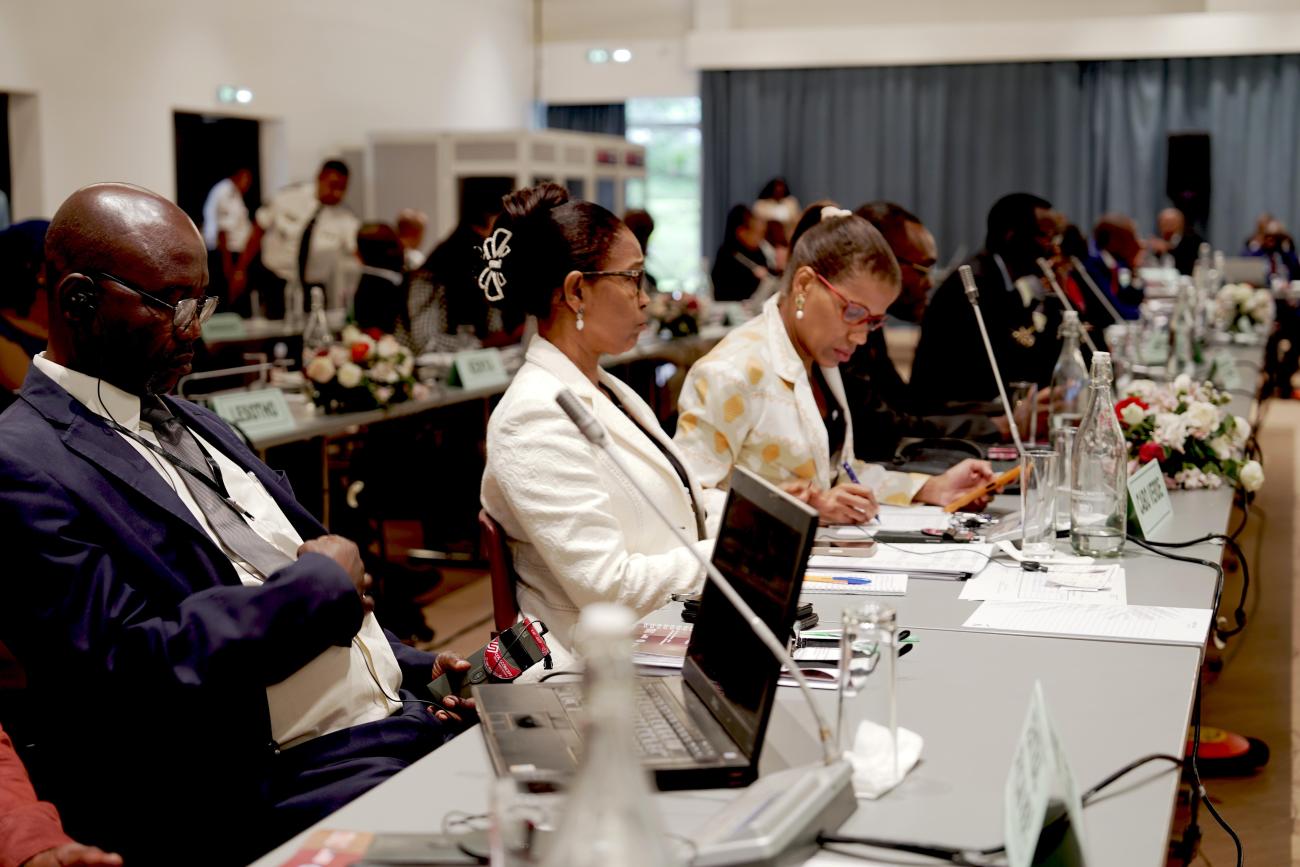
[
  {"x": 454, "y": 708},
  {"x": 943, "y": 489},
  {"x": 346, "y": 554},
  {"x": 1042, "y": 410},
  {"x": 73, "y": 855},
  {"x": 846, "y": 503}
]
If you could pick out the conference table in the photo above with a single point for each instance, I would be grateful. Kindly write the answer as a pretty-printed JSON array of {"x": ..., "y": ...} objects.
[{"x": 966, "y": 693}]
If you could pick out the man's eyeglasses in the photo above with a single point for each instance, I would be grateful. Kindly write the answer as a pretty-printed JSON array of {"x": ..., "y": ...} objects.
[
  {"x": 636, "y": 275},
  {"x": 184, "y": 311},
  {"x": 919, "y": 267},
  {"x": 853, "y": 312}
]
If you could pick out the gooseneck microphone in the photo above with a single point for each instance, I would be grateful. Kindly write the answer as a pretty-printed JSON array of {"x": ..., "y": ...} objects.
[
  {"x": 1065, "y": 301},
  {"x": 973, "y": 296},
  {"x": 592, "y": 430},
  {"x": 1096, "y": 290}
]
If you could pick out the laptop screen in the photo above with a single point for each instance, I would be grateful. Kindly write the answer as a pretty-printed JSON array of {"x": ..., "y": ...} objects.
[{"x": 762, "y": 549}]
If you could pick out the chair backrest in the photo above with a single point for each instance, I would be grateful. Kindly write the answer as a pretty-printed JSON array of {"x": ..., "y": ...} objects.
[{"x": 505, "y": 610}]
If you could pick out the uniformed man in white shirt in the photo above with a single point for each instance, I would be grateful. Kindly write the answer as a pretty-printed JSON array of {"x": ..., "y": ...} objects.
[
  {"x": 226, "y": 227},
  {"x": 304, "y": 234}
]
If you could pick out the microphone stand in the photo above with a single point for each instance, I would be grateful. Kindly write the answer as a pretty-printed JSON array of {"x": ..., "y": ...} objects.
[
  {"x": 592, "y": 430},
  {"x": 973, "y": 296},
  {"x": 1056, "y": 287},
  {"x": 1096, "y": 290}
]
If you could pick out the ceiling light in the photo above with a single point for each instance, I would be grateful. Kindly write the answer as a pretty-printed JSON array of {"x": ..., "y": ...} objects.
[
  {"x": 622, "y": 55},
  {"x": 597, "y": 55},
  {"x": 243, "y": 96}
]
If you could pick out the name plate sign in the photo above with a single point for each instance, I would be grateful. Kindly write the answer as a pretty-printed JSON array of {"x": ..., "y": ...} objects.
[
  {"x": 1041, "y": 792},
  {"x": 224, "y": 326},
  {"x": 1149, "y": 498},
  {"x": 263, "y": 412},
  {"x": 479, "y": 368}
]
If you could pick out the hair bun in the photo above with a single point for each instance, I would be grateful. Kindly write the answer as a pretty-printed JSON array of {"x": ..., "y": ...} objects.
[{"x": 532, "y": 202}]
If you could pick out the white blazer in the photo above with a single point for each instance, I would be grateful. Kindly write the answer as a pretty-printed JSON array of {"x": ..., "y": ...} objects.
[
  {"x": 749, "y": 402},
  {"x": 578, "y": 531}
]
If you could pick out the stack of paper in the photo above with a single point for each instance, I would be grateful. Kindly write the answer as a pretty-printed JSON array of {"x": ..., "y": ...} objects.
[
  {"x": 954, "y": 560},
  {"x": 856, "y": 583},
  {"x": 1147, "y": 623},
  {"x": 1077, "y": 585},
  {"x": 899, "y": 518}
]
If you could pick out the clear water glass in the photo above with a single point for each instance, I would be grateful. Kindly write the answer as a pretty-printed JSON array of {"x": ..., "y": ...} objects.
[
  {"x": 1025, "y": 393},
  {"x": 868, "y": 660},
  {"x": 1063, "y": 443},
  {"x": 1038, "y": 481}
]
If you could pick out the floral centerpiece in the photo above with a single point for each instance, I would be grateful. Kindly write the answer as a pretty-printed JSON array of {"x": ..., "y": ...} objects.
[
  {"x": 678, "y": 313},
  {"x": 1188, "y": 429},
  {"x": 368, "y": 369},
  {"x": 1243, "y": 310}
]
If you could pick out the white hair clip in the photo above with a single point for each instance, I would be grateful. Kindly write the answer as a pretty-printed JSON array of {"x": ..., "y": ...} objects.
[
  {"x": 495, "y": 248},
  {"x": 832, "y": 211}
]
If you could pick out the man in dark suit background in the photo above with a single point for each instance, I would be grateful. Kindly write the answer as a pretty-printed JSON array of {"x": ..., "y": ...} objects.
[
  {"x": 1177, "y": 239},
  {"x": 951, "y": 365},
  {"x": 194, "y": 640}
]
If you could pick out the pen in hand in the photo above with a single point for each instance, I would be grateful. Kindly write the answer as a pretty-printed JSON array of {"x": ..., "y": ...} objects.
[{"x": 853, "y": 477}]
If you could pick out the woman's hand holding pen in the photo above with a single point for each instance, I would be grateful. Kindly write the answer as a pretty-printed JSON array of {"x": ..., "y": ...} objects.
[{"x": 847, "y": 503}]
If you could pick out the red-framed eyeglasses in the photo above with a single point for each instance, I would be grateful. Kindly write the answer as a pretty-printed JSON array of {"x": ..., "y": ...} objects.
[{"x": 853, "y": 312}]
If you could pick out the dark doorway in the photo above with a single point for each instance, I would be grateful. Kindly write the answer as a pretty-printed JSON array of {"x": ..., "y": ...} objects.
[
  {"x": 209, "y": 148},
  {"x": 6, "y": 179}
]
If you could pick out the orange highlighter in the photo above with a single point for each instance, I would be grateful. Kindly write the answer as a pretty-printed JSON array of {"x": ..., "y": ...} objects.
[{"x": 991, "y": 488}]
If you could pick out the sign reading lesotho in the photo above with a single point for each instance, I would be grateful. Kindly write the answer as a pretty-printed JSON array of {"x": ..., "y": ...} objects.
[{"x": 263, "y": 412}]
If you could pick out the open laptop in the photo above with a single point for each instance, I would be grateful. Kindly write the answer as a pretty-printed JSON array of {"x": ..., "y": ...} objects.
[{"x": 704, "y": 729}]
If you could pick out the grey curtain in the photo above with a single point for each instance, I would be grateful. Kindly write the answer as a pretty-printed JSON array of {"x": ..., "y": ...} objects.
[
  {"x": 946, "y": 141},
  {"x": 609, "y": 119}
]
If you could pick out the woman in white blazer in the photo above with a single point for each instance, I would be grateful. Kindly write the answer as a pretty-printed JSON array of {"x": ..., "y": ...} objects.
[
  {"x": 579, "y": 532},
  {"x": 769, "y": 397}
]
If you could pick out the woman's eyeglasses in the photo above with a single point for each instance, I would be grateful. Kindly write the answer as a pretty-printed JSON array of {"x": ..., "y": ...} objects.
[
  {"x": 636, "y": 275},
  {"x": 853, "y": 312},
  {"x": 183, "y": 312}
]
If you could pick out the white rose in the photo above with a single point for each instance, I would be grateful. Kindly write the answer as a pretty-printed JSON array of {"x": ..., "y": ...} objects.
[
  {"x": 388, "y": 347},
  {"x": 1183, "y": 384},
  {"x": 352, "y": 334},
  {"x": 384, "y": 371},
  {"x": 1143, "y": 389},
  {"x": 383, "y": 394},
  {"x": 320, "y": 369},
  {"x": 1222, "y": 448},
  {"x": 1202, "y": 418},
  {"x": 1133, "y": 414},
  {"x": 406, "y": 366},
  {"x": 1170, "y": 431},
  {"x": 340, "y": 355},
  {"x": 349, "y": 375},
  {"x": 1240, "y": 431},
  {"x": 1241, "y": 293},
  {"x": 1245, "y": 324},
  {"x": 1252, "y": 476}
]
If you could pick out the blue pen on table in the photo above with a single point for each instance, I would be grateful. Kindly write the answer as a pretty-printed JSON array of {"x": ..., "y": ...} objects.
[
  {"x": 853, "y": 477},
  {"x": 838, "y": 579}
]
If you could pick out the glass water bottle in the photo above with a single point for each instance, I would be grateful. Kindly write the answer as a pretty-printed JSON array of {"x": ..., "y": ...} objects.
[
  {"x": 1099, "y": 476},
  {"x": 1069, "y": 377}
]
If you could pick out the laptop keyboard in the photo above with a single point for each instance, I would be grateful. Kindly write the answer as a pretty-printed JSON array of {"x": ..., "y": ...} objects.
[{"x": 660, "y": 733}]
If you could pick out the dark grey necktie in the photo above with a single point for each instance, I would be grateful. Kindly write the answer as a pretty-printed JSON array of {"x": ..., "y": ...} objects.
[{"x": 230, "y": 527}]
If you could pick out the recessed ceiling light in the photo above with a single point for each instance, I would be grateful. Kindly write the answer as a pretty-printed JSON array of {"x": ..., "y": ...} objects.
[
  {"x": 597, "y": 55},
  {"x": 243, "y": 96},
  {"x": 622, "y": 55}
]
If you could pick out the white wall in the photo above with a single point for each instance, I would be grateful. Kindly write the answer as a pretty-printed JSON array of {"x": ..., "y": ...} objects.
[
  {"x": 658, "y": 68},
  {"x": 108, "y": 75}
]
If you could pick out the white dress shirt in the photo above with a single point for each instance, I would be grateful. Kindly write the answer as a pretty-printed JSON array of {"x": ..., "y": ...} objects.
[
  {"x": 224, "y": 210},
  {"x": 335, "y": 690},
  {"x": 285, "y": 219}
]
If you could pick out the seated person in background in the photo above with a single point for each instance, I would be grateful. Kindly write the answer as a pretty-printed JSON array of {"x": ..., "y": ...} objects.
[
  {"x": 742, "y": 266},
  {"x": 159, "y": 569},
  {"x": 879, "y": 400},
  {"x": 1114, "y": 255},
  {"x": 776, "y": 204},
  {"x": 410, "y": 230},
  {"x": 31, "y": 834},
  {"x": 1272, "y": 242},
  {"x": 303, "y": 232},
  {"x": 447, "y": 308},
  {"x": 380, "y": 301},
  {"x": 769, "y": 396},
  {"x": 24, "y": 319},
  {"x": 578, "y": 533},
  {"x": 1175, "y": 240},
  {"x": 642, "y": 226},
  {"x": 951, "y": 364}
]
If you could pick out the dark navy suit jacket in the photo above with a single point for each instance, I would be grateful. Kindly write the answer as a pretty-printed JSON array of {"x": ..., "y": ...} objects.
[{"x": 147, "y": 659}]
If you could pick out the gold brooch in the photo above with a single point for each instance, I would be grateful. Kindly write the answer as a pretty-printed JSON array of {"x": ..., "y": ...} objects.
[{"x": 1025, "y": 336}]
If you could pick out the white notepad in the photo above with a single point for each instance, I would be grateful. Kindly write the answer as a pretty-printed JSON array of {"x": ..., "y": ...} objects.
[
  {"x": 1001, "y": 582},
  {"x": 882, "y": 584},
  {"x": 940, "y": 561},
  {"x": 1149, "y": 623}
]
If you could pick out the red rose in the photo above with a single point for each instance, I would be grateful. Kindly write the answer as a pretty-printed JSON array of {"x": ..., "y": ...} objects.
[
  {"x": 374, "y": 333},
  {"x": 1151, "y": 452},
  {"x": 1128, "y": 401},
  {"x": 360, "y": 351}
]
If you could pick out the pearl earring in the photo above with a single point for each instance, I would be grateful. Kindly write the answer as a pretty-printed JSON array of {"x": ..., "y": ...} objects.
[
  {"x": 798, "y": 307},
  {"x": 581, "y": 324}
]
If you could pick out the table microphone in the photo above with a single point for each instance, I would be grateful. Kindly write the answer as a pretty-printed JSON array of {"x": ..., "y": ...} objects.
[
  {"x": 1056, "y": 287},
  {"x": 591, "y": 429},
  {"x": 1096, "y": 290},
  {"x": 973, "y": 296}
]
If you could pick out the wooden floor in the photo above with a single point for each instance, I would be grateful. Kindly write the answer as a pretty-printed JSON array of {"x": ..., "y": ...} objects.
[{"x": 1255, "y": 693}]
